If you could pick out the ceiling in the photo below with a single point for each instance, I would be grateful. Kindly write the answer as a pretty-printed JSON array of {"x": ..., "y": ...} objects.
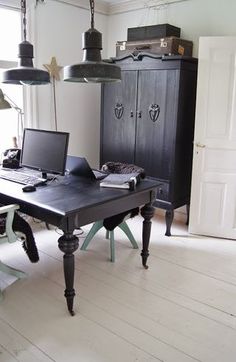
[{"x": 115, "y": 1}]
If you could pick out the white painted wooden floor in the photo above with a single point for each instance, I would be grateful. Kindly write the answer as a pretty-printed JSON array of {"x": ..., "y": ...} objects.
[{"x": 182, "y": 309}]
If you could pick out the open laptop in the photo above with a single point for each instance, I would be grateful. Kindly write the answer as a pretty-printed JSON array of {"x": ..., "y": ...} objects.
[{"x": 79, "y": 166}]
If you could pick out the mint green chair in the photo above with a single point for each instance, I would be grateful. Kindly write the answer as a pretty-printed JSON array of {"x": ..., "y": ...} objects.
[
  {"x": 109, "y": 235},
  {"x": 10, "y": 237}
]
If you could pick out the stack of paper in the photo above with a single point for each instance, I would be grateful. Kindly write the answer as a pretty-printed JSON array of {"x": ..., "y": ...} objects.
[{"x": 122, "y": 181}]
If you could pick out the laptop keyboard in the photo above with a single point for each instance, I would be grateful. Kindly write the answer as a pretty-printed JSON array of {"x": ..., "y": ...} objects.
[{"x": 21, "y": 178}]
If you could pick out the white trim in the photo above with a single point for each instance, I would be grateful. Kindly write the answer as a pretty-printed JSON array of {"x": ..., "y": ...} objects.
[
  {"x": 6, "y": 64},
  {"x": 30, "y": 93},
  {"x": 100, "y": 7},
  {"x": 132, "y": 5},
  {"x": 11, "y": 4}
]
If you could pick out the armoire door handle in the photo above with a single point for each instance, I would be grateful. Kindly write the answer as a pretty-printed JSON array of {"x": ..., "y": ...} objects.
[
  {"x": 139, "y": 114},
  {"x": 131, "y": 114}
]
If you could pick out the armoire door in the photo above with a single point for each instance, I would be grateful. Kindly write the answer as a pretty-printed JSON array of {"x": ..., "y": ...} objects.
[
  {"x": 156, "y": 121},
  {"x": 119, "y": 119},
  {"x": 213, "y": 194}
]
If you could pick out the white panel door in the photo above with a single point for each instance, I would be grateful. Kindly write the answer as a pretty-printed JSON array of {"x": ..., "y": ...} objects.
[{"x": 213, "y": 193}]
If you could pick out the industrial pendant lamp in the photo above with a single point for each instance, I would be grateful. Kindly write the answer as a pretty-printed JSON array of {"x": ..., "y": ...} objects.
[
  {"x": 92, "y": 68},
  {"x": 25, "y": 73}
]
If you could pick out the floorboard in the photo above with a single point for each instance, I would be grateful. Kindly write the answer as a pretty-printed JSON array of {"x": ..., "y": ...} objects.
[{"x": 179, "y": 310}]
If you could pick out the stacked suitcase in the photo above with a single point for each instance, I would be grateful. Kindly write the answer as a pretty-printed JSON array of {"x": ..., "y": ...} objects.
[{"x": 162, "y": 39}]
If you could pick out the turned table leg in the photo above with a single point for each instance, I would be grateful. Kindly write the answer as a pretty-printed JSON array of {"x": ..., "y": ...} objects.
[
  {"x": 147, "y": 213},
  {"x": 68, "y": 244}
]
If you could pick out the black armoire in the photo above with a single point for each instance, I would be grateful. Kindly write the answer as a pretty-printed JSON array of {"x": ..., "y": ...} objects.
[{"x": 148, "y": 119}]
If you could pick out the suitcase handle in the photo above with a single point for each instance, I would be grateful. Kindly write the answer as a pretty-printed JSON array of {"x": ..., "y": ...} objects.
[{"x": 143, "y": 47}]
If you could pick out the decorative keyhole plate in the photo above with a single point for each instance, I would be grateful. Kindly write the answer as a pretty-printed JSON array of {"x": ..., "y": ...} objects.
[
  {"x": 154, "y": 111},
  {"x": 119, "y": 110}
]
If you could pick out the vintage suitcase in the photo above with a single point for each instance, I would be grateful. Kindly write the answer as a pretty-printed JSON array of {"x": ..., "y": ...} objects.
[
  {"x": 152, "y": 31},
  {"x": 162, "y": 46}
]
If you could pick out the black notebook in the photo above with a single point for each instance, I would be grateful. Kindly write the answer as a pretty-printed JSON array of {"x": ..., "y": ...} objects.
[{"x": 79, "y": 166}]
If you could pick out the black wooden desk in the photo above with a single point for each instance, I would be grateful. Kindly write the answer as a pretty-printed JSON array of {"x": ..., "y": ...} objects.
[{"x": 72, "y": 202}]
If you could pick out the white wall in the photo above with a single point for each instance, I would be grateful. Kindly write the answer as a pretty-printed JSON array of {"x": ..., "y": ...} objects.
[
  {"x": 195, "y": 18},
  {"x": 58, "y": 30}
]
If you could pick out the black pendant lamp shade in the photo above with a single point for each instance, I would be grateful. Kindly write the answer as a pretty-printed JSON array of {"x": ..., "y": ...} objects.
[
  {"x": 92, "y": 68},
  {"x": 25, "y": 73}
]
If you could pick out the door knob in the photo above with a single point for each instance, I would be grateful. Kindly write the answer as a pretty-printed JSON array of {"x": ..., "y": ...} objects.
[{"x": 200, "y": 145}]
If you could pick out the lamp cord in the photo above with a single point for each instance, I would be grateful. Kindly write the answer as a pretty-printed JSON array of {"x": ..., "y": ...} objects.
[
  {"x": 23, "y": 11},
  {"x": 92, "y": 13}
]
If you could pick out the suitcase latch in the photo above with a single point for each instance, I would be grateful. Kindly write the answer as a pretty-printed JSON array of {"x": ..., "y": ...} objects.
[
  {"x": 123, "y": 46},
  {"x": 163, "y": 43}
]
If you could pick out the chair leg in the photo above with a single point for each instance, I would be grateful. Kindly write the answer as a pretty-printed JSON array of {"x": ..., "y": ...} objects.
[
  {"x": 12, "y": 271},
  {"x": 112, "y": 246},
  {"x": 107, "y": 234},
  {"x": 124, "y": 227},
  {"x": 96, "y": 226}
]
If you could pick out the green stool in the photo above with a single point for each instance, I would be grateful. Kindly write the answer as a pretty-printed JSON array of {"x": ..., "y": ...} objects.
[{"x": 109, "y": 235}]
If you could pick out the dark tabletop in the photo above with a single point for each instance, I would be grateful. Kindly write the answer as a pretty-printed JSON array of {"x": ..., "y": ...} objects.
[{"x": 77, "y": 197}]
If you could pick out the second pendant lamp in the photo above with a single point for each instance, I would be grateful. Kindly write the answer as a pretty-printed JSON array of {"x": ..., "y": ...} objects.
[
  {"x": 25, "y": 73},
  {"x": 92, "y": 68}
]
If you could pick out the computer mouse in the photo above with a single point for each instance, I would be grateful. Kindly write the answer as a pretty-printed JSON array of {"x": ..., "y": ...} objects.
[{"x": 28, "y": 188}]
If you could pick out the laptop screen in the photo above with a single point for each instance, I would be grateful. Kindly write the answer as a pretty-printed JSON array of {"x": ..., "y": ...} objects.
[{"x": 79, "y": 166}]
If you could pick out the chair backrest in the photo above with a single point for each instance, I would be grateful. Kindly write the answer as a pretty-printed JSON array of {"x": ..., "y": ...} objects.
[{"x": 8, "y": 235}]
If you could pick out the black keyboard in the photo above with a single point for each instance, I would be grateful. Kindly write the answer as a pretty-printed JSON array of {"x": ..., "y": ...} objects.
[{"x": 21, "y": 177}]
